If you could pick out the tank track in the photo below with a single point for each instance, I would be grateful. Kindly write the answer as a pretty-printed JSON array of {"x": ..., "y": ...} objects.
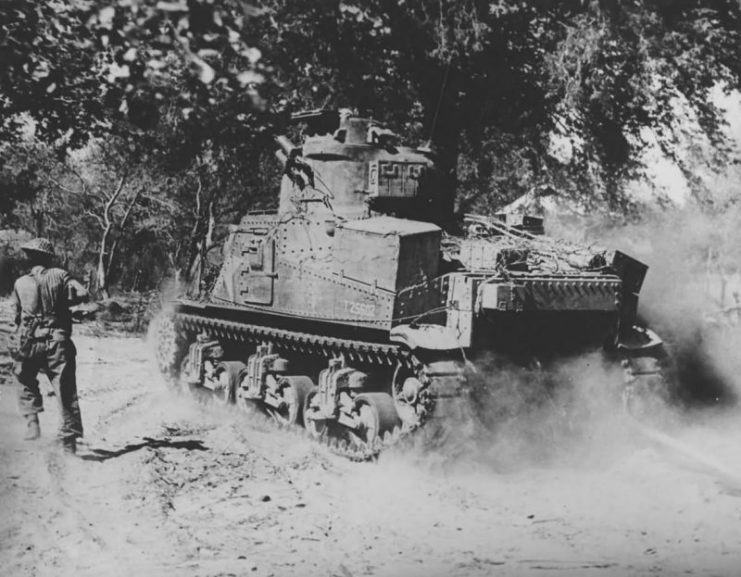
[
  {"x": 304, "y": 343},
  {"x": 448, "y": 379},
  {"x": 383, "y": 355}
]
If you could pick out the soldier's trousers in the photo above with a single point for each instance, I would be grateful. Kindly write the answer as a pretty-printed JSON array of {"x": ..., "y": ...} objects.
[{"x": 57, "y": 360}]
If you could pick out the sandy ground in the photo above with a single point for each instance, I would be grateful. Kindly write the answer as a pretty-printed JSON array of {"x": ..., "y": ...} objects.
[{"x": 167, "y": 486}]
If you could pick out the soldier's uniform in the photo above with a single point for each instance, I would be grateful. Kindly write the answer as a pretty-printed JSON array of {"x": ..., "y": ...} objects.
[{"x": 43, "y": 297}]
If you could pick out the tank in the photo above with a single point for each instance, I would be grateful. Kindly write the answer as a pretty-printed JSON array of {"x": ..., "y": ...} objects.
[{"x": 359, "y": 308}]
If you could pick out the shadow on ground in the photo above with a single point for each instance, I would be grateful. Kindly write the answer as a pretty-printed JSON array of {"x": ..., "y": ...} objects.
[{"x": 104, "y": 454}]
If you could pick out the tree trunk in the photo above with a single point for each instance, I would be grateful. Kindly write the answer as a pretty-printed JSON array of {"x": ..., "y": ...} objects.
[
  {"x": 107, "y": 225},
  {"x": 204, "y": 245},
  {"x": 442, "y": 87},
  {"x": 208, "y": 242},
  {"x": 122, "y": 226},
  {"x": 193, "y": 253},
  {"x": 102, "y": 268}
]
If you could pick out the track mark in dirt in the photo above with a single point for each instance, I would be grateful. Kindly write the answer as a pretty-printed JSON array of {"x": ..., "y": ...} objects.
[
  {"x": 129, "y": 402},
  {"x": 109, "y": 530},
  {"x": 30, "y": 538},
  {"x": 480, "y": 564},
  {"x": 144, "y": 499},
  {"x": 573, "y": 567},
  {"x": 241, "y": 499},
  {"x": 66, "y": 503},
  {"x": 693, "y": 459}
]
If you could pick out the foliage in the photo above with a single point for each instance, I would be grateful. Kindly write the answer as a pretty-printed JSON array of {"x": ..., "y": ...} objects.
[
  {"x": 157, "y": 217},
  {"x": 495, "y": 84},
  {"x": 186, "y": 95}
]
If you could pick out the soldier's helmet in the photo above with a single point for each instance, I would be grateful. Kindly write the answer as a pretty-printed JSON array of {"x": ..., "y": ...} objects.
[{"x": 39, "y": 246}]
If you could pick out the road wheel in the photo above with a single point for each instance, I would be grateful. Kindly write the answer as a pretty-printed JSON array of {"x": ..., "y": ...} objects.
[
  {"x": 377, "y": 416},
  {"x": 315, "y": 426},
  {"x": 293, "y": 391},
  {"x": 229, "y": 373}
]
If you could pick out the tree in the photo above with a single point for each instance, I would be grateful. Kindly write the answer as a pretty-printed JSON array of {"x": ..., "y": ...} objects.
[
  {"x": 82, "y": 69},
  {"x": 169, "y": 79},
  {"x": 20, "y": 183},
  {"x": 512, "y": 94},
  {"x": 107, "y": 251},
  {"x": 492, "y": 82},
  {"x": 495, "y": 82}
]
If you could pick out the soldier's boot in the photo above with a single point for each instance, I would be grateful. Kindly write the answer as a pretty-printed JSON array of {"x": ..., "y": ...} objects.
[
  {"x": 69, "y": 445},
  {"x": 33, "y": 430}
]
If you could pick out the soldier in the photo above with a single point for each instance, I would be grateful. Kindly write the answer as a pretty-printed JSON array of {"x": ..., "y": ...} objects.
[{"x": 44, "y": 326}]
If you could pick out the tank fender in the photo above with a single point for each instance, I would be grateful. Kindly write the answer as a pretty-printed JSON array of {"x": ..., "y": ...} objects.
[{"x": 426, "y": 336}]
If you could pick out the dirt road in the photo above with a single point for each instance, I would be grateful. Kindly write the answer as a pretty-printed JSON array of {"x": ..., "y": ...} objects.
[{"x": 165, "y": 486}]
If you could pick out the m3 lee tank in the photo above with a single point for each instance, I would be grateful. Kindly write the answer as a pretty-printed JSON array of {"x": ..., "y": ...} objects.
[{"x": 355, "y": 309}]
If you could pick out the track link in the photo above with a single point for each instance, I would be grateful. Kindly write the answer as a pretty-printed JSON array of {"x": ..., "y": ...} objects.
[{"x": 305, "y": 343}]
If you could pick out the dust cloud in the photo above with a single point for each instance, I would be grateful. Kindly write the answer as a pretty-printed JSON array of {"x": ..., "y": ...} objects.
[
  {"x": 540, "y": 468},
  {"x": 691, "y": 296},
  {"x": 571, "y": 414},
  {"x": 566, "y": 415}
]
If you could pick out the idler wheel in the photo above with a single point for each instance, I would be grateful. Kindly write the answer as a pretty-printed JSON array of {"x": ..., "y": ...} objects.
[
  {"x": 293, "y": 392},
  {"x": 376, "y": 416}
]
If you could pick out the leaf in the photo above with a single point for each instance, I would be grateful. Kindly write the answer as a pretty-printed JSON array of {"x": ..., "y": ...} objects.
[
  {"x": 172, "y": 6},
  {"x": 115, "y": 72},
  {"x": 252, "y": 54},
  {"x": 105, "y": 17},
  {"x": 206, "y": 74},
  {"x": 41, "y": 71},
  {"x": 252, "y": 11},
  {"x": 217, "y": 18},
  {"x": 249, "y": 77},
  {"x": 208, "y": 53},
  {"x": 155, "y": 64}
]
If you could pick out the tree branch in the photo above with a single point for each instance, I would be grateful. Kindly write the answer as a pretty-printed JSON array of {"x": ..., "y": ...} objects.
[
  {"x": 128, "y": 208},
  {"x": 64, "y": 188},
  {"x": 166, "y": 203},
  {"x": 96, "y": 217},
  {"x": 112, "y": 200},
  {"x": 121, "y": 227},
  {"x": 103, "y": 262},
  {"x": 79, "y": 176},
  {"x": 197, "y": 211}
]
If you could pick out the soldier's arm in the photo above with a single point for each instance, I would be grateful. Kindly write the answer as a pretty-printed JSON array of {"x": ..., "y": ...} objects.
[{"x": 76, "y": 293}]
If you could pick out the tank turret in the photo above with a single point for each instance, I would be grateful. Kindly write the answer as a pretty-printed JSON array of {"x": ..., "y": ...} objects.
[{"x": 351, "y": 167}]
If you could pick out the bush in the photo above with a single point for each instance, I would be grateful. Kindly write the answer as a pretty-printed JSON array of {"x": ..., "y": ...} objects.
[{"x": 11, "y": 259}]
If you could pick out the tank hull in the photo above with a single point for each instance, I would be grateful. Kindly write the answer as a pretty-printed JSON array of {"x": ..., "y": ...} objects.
[{"x": 359, "y": 309}]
